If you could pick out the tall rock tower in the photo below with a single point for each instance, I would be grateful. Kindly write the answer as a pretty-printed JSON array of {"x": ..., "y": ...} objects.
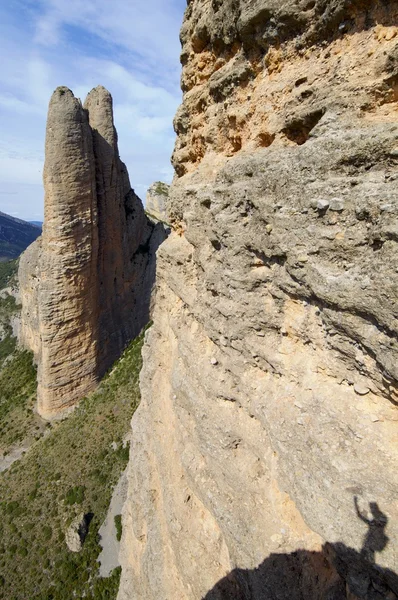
[
  {"x": 86, "y": 285},
  {"x": 68, "y": 291}
]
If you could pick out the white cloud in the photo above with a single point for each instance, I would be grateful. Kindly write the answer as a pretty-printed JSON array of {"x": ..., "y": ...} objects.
[
  {"x": 47, "y": 29},
  {"x": 14, "y": 104},
  {"x": 20, "y": 170},
  {"x": 131, "y": 48},
  {"x": 147, "y": 27}
]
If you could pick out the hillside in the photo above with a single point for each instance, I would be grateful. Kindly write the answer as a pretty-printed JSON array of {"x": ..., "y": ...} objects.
[
  {"x": 20, "y": 426},
  {"x": 69, "y": 469},
  {"x": 49, "y": 474},
  {"x": 15, "y": 236}
]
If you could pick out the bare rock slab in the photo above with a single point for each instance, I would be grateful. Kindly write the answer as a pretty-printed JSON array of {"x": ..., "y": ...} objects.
[
  {"x": 109, "y": 557},
  {"x": 257, "y": 471}
]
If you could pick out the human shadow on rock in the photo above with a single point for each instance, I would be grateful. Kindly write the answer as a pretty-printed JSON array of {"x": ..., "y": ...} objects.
[{"x": 336, "y": 572}]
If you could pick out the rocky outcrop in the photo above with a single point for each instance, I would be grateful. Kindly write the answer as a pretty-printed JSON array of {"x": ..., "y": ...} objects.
[
  {"x": 77, "y": 532},
  {"x": 28, "y": 276},
  {"x": 156, "y": 200},
  {"x": 86, "y": 286},
  {"x": 264, "y": 454}
]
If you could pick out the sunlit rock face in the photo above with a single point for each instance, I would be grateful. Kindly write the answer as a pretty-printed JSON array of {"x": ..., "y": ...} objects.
[
  {"x": 264, "y": 455},
  {"x": 85, "y": 287},
  {"x": 157, "y": 199}
]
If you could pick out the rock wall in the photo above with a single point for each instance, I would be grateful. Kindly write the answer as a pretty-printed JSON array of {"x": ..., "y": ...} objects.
[
  {"x": 157, "y": 199},
  {"x": 28, "y": 276},
  {"x": 86, "y": 286},
  {"x": 264, "y": 454}
]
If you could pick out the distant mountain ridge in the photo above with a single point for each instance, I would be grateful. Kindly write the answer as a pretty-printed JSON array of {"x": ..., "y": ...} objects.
[{"x": 15, "y": 236}]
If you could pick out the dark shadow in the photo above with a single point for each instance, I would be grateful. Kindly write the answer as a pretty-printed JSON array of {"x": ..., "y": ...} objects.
[
  {"x": 128, "y": 240},
  {"x": 85, "y": 526},
  {"x": 337, "y": 572},
  {"x": 376, "y": 539},
  {"x": 298, "y": 129}
]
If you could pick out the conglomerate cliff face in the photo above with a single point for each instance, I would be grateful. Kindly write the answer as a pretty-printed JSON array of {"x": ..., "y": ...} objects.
[
  {"x": 157, "y": 199},
  {"x": 264, "y": 455},
  {"x": 86, "y": 284}
]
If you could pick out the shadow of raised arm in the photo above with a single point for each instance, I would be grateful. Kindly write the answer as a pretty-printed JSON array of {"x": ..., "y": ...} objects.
[{"x": 360, "y": 515}]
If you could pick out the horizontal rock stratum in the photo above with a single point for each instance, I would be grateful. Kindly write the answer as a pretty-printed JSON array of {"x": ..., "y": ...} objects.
[
  {"x": 264, "y": 455},
  {"x": 86, "y": 283}
]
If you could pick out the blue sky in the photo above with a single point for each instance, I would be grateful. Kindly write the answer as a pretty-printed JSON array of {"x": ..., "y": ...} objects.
[{"x": 129, "y": 46}]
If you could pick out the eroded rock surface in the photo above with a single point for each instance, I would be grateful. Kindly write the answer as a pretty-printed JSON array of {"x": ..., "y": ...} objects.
[
  {"x": 86, "y": 285},
  {"x": 264, "y": 454},
  {"x": 156, "y": 200},
  {"x": 77, "y": 532}
]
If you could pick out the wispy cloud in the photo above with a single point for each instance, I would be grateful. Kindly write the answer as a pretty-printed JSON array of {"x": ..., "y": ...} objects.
[
  {"x": 131, "y": 48},
  {"x": 145, "y": 27}
]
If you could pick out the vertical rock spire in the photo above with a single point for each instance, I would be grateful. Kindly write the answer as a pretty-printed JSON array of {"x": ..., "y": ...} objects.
[
  {"x": 113, "y": 185},
  {"x": 86, "y": 285},
  {"x": 68, "y": 291}
]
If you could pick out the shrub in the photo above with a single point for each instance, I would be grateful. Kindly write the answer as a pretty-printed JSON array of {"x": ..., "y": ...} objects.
[
  {"x": 119, "y": 527},
  {"x": 8, "y": 270},
  {"x": 75, "y": 495},
  {"x": 47, "y": 532}
]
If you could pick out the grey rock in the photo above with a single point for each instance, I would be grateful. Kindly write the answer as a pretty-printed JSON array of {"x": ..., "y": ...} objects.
[
  {"x": 156, "y": 200},
  {"x": 337, "y": 204},
  {"x": 322, "y": 204},
  {"x": 77, "y": 532},
  {"x": 388, "y": 208},
  {"x": 361, "y": 389},
  {"x": 222, "y": 459}
]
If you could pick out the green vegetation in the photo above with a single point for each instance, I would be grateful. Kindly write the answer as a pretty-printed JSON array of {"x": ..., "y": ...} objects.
[
  {"x": 7, "y": 346},
  {"x": 8, "y": 308},
  {"x": 75, "y": 495},
  {"x": 71, "y": 470},
  {"x": 18, "y": 423},
  {"x": 8, "y": 271},
  {"x": 119, "y": 528},
  {"x": 161, "y": 188}
]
